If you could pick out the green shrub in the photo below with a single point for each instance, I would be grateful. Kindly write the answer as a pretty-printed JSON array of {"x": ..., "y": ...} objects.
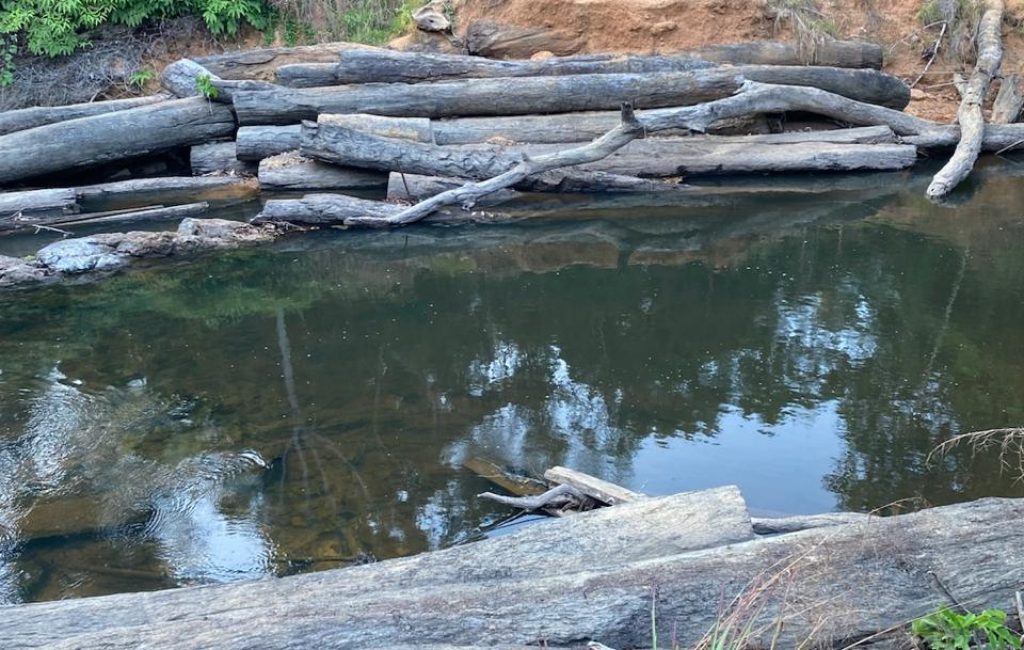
[
  {"x": 948, "y": 630},
  {"x": 59, "y": 27}
]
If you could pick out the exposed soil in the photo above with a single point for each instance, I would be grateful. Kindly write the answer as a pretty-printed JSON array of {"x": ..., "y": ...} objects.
[{"x": 644, "y": 26}]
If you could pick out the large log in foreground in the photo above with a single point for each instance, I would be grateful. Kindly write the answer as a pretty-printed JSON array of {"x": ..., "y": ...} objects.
[
  {"x": 969, "y": 115},
  {"x": 102, "y": 138},
  {"x": 559, "y": 94},
  {"x": 789, "y": 583}
]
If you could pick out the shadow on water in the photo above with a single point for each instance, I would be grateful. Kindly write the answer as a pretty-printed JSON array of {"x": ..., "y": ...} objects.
[{"x": 309, "y": 405}]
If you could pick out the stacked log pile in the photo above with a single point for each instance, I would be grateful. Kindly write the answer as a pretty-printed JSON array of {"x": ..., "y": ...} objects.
[{"x": 341, "y": 117}]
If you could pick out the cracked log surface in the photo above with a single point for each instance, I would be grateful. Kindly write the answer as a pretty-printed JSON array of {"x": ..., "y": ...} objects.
[
  {"x": 101, "y": 139},
  {"x": 450, "y": 596}
]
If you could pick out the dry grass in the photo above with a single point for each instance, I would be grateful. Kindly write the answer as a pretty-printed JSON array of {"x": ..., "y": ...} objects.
[
  {"x": 1009, "y": 442},
  {"x": 360, "y": 21}
]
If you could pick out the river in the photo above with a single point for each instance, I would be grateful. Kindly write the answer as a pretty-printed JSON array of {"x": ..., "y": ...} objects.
[{"x": 311, "y": 404}]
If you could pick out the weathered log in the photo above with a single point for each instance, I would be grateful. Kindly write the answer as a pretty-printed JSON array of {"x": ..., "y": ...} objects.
[
  {"x": 29, "y": 118},
  {"x": 261, "y": 64},
  {"x": 291, "y": 172},
  {"x": 785, "y": 525},
  {"x": 258, "y": 142},
  {"x": 280, "y": 105},
  {"x": 370, "y": 66},
  {"x": 388, "y": 66},
  {"x": 15, "y": 206},
  {"x": 828, "y": 586},
  {"x": 663, "y": 157},
  {"x": 489, "y": 39},
  {"x": 557, "y": 498},
  {"x": 969, "y": 115},
  {"x": 219, "y": 158},
  {"x": 101, "y": 138},
  {"x": 153, "y": 214},
  {"x": 167, "y": 190},
  {"x": 1009, "y": 100},
  {"x": 593, "y": 487},
  {"x": 182, "y": 78},
  {"x": 560, "y": 128},
  {"x": 468, "y": 97}
]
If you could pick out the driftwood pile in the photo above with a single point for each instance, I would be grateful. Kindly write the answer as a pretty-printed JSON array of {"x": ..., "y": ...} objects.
[{"x": 340, "y": 117}]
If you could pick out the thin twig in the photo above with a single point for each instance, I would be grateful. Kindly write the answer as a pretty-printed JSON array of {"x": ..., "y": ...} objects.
[{"x": 935, "y": 51}]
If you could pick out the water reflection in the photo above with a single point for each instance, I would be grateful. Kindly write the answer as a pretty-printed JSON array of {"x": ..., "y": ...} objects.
[{"x": 311, "y": 406}]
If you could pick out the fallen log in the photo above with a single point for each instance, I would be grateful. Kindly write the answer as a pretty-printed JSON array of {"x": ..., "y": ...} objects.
[
  {"x": 969, "y": 115},
  {"x": 595, "y": 488},
  {"x": 219, "y": 158},
  {"x": 559, "y": 94},
  {"x": 664, "y": 157},
  {"x": 100, "y": 139},
  {"x": 371, "y": 66},
  {"x": 560, "y": 497},
  {"x": 537, "y": 129},
  {"x": 168, "y": 190},
  {"x": 29, "y": 118},
  {"x": 29, "y": 204},
  {"x": 153, "y": 214},
  {"x": 291, "y": 172},
  {"x": 261, "y": 64},
  {"x": 802, "y": 579},
  {"x": 1009, "y": 100},
  {"x": 258, "y": 142}
]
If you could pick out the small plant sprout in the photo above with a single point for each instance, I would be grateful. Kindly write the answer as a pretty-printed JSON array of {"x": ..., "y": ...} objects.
[{"x": 948, "y": 630}]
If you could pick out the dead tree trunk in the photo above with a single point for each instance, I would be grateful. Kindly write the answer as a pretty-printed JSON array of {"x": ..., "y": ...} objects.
[
  {"x": 1009, "y": 101},
  {"x": 258, "y": 142},
  {"x": 559, "y": 94},
  {"x": 262, "y": 64},
  {"x": 219, "y": 158},
  {"x": 972, "y": 121},
  {"x": 660, "y": 157},
  {"x": 103, "y": 138},
  {"x": 29, "y": 118},
  {"x": 291, "y": 172},
  {"x": 371, "y": 66}
]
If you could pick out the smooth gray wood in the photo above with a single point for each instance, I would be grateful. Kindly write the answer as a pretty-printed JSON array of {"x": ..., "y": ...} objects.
[
  {"x": 14, "y": 206},
  {"x": 29, "y": 118},
  {"x": 100, "y": 139},
  {"x": 181, "y": 78},
  {"x": 390, "y": 66},
  {"x": 219, "y": 158},
  {"x": 255, "y": 143},
  {"x": 293, "y": 173},
  {"x": 594, "y": 487},
  {"x": 835, "y": 585},
  {"x": 280, "y": 105},
  {"x": 969, "y": 115},
  {"x": 660, "y": 157},
  {"x": 834, "y": 53},
  {"x": 370, "y": 66},
  {"x": 540, "y": 129},
  {"x": 1009, "y": 100}
]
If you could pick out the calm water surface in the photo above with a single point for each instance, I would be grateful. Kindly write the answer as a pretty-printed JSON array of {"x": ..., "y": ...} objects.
[{"x": 811, "y": 348}]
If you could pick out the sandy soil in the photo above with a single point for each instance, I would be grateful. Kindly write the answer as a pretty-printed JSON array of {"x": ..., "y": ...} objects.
[{"x": 670, "y": 25}]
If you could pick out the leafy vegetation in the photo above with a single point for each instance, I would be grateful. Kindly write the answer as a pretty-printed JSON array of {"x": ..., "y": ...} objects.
[
  {"x": 948, "y": 630},
  {"x": 206, "y": 88}
]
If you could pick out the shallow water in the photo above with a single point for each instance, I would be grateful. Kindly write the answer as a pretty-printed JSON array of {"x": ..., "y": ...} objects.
[{"x": 310, "y": 405}]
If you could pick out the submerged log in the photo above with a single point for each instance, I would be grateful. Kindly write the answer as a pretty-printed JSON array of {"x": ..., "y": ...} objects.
[
  {"x": 29, "y": 118},
  {"x": 219, "y": 158},
  {"x": 100, "y": 139},
  {"x": 801, "y": 579},
  {"x": 559, "y": 94},
  {"x": 291, "y": 172},
  {"x": 969, "y": 115},
  {"x": 153, "y": 214},
  {"x": 30, "y": 204}
]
